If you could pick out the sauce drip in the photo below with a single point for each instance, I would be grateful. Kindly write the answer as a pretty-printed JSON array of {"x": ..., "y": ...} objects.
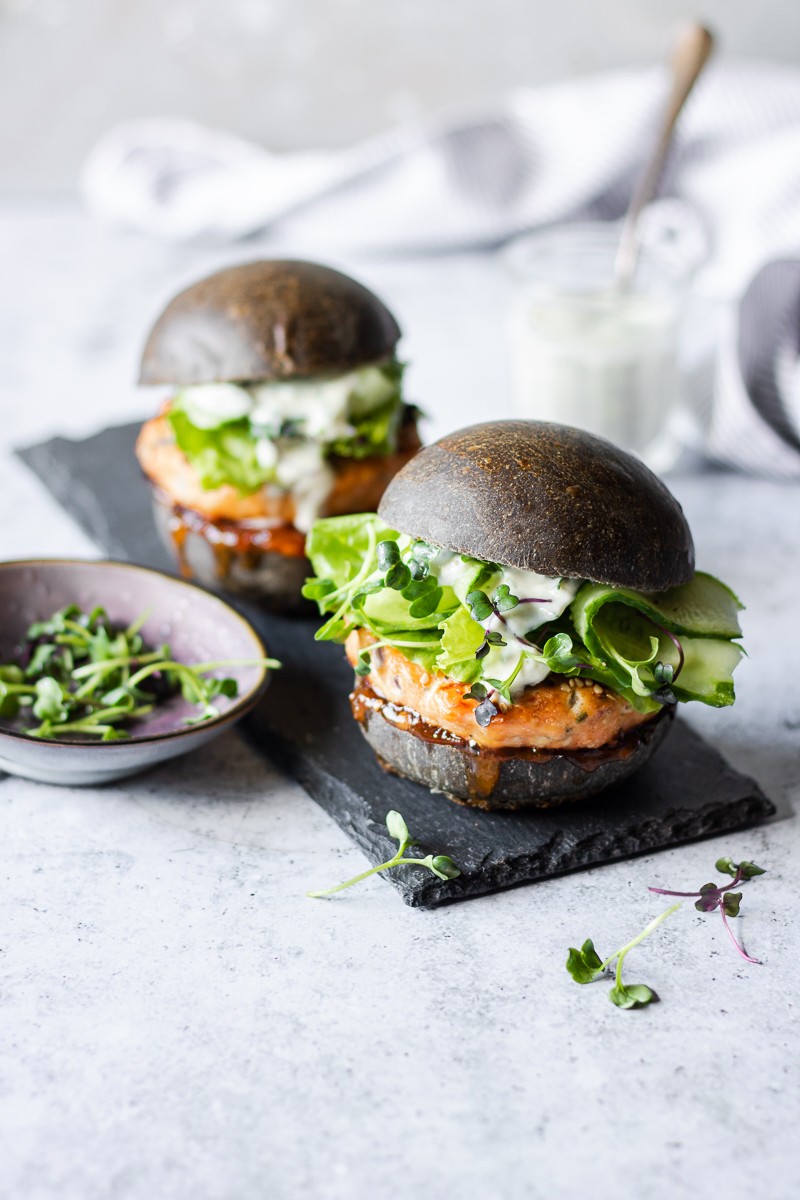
[
  {"x": 246, "y": 540},
  {"x": 484, "y": 763}
]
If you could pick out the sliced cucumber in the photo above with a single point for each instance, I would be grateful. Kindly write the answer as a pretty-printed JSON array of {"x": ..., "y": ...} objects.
[
  {"x": 625, "y": 632},
  {"x": 704, "y": 607},
  {"x": 707, "y": 673}
]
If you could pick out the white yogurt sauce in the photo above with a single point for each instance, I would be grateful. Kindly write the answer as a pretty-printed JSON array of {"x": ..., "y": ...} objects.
[
  {"x": 304, "y": 471},
  {"x": 319, "y": 407},
  {"x": 606, "y": 362},
  {"x": 319, "y": 411},
  {"x": 214, "y": 404},
  {"x": 552, "y": 596}
]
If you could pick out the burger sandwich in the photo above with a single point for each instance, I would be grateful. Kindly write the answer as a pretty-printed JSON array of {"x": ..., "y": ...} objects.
[
  {"x": 285, "y": 404},
  {"x": 523, "y": 615}
]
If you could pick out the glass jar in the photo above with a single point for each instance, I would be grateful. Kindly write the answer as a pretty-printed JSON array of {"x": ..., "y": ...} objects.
[{"x": 586, "y": 353}]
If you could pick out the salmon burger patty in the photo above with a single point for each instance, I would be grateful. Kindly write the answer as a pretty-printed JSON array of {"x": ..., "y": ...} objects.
[{"x": 557, "y": 714}]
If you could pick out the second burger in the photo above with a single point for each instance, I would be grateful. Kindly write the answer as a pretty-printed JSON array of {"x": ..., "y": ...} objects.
[{"x": 286, "y": 405}]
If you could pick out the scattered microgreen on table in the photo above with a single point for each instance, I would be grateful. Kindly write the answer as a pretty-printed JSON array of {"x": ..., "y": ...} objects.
[
  {"x": 712, "y": 898},
  {"x": 440, "y": 864},
  {"x": 585, "y": 965},
  {"x": 77, "y": 673}
]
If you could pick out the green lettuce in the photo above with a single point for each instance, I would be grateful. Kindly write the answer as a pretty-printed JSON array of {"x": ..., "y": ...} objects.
[
  {"x": 339, "y": 546},
  {"x": 226, "y": 454},
  {"x": 375, "y": 433},
  {"x": 375, "y": 426},
  {"x": 461, "y": 639},
  {"x": 652, "y": 650}
]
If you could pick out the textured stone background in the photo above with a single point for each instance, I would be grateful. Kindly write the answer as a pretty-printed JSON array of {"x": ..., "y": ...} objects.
[{"x": 300, "y": 73}]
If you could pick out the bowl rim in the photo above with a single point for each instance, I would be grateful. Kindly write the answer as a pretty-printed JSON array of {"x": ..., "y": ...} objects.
[{"x": 237, "y": 709}]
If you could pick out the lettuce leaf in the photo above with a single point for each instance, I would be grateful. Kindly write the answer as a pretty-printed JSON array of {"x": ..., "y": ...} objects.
[
  {"x": 461, "y": 637},
  {"x": 225, "y": 455},
  {"x": 338, "y": 546},
  {"x": 387, "y": 610},
  {"x": 375, "y": 432},
  {"x": 624, "y": 640}
]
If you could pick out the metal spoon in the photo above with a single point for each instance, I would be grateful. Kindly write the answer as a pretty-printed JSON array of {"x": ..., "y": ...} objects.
[{"x": 690, "y": 55}]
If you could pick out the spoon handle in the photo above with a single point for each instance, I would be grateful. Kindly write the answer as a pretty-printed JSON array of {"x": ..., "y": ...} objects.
[{"x": 691, "y": 52}]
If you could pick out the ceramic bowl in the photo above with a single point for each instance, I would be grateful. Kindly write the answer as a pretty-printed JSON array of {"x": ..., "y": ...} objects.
[{"x": 199, "y": 627}]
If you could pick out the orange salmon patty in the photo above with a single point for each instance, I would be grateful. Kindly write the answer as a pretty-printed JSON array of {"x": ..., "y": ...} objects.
[
  {"x": 358, "y": 483},
  {"x": 556, "y": 714}
]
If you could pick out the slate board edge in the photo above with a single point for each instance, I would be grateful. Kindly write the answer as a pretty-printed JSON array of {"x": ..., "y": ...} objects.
[{"x": 677, "y": 827}]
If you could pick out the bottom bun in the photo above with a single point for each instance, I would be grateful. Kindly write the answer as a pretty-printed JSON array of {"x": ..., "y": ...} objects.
[
  {"x": 495, "y": 780},
  {"x": 234, "y": 556}
]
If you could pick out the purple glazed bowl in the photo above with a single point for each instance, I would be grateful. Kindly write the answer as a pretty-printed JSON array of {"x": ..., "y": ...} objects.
[{"x": 199, "y": 627}]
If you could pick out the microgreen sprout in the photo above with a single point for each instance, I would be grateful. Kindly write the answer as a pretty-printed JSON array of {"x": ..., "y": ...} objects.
[
  {"x": 482, "y": 608},
  {"x": 492, "y": 637},
  {"x": 441, "y": 865},
  {"x": 503, "y": 600},
  {"x": 486, "y": 708},
  {"x": 664, "y": 674},
  {"x": 413, "y": 580},
  {"x": 712, "y": 898},
  {"x": 585, "y": 965},
  {"x": 77, "y": 673}
]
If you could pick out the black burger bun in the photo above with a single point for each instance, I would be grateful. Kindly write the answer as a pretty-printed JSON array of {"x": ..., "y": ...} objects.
[
  {"x": 513, "y": 780},
  {"x": 547, "y": 498},
  {"x": 276, "y": 319}
]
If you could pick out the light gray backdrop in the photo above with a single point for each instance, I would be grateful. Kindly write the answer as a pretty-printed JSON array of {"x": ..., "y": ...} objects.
[{"x": 304, "y": 73}]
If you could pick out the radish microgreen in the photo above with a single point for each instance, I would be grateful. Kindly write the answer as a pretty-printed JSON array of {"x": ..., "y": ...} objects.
[
  {"x": 441, "y": 865},
  {"x": 486, "y": 708},
  {"x": 712, "y": 898},
  {"x": 585, "y": 965}
]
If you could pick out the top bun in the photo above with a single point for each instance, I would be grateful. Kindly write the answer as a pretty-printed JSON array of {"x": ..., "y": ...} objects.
[
  {"x": 545, "y": 498},
  {"x": 276, "y": 319}
]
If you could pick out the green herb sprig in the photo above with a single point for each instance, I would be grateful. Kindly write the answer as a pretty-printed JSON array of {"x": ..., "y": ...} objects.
[
  {"x": 441, "y": 865},
  {"x": 585, "y": 965},
  {"x": 557, "y": 654},
  {"x": 76, "y": 673}
]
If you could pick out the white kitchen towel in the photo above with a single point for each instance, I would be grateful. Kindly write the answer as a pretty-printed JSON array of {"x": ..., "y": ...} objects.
[{"x": 554, "y": 153}]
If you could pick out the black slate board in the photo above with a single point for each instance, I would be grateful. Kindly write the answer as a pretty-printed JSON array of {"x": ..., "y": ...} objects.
[{"x": 687, "y": 791}]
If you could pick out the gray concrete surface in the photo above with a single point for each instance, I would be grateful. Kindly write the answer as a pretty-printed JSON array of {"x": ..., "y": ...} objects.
[
  {"x": 178, "y": 1021},
  {"x": 306, "y": 73}
]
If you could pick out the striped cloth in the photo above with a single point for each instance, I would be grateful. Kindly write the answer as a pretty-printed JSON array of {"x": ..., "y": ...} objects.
[{"x": 561, "y": 152}]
